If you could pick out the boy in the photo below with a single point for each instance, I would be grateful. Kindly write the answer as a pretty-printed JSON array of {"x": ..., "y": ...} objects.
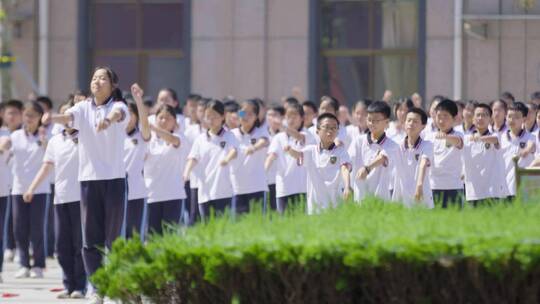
[
  {"x": 373, "y": 155},
  {"x": 482, "y": 160},
  {"x": 327, "y": 166},
  {"x": 467, "y": 126},
  {"x": 415, "y": 158},
  {"x": 330, "y": 105},
  {"x": 446, "y": 172},
  {"x": 516, "y": 142}
]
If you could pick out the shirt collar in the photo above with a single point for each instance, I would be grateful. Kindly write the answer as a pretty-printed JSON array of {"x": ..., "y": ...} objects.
[
  {"x": 132, "y": 132},
  {"x": 379, "y": 141},
  {"x": 250, "y": 130},
  {"x": 520, "y": 134},
  {"x": 416, "y": 143},
  {"x": 330, "y": 148},
  {"x": 484, "y": 134},
  {"x": 109, "y": 100},
  {"x": 219, "y": 133}
]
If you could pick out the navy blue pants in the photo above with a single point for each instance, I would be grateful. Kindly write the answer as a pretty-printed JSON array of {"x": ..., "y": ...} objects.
[
  {"x": 243, "y": 201},
  {"x": 446, "y": 198},
  {"x": 3, "y": 218},
  {"x": 193, "y": 207},
  {"x": 10, "y": 235},
  {"x": 163, "y": 213},
  {"x": 68, "y": 236},
  {"x": 134, "y": 217},
  {"x": 217, "y": 206},
  {"x": 28, "y": 219},
  {"x": 271, "y": 201},
  {"x": 49, "y": 225},
  {"x": 102, "y": 216},
  {"x": 293, "y": 201}
]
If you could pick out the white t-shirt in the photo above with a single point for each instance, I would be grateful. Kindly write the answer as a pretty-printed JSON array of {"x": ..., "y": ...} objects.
[
  {"x": 163, "y": 169},
  {"x": 27, "y": 151},
  {"x": 135, "y": 148},
  {"x": 209, "y": 150},
  {"x": 447, "y": 164},
  {"x": 324, "y": 182},
  {"x": 407, "y": 169},
  {"x": 484, "y": 177},
  {"x": 101, "y": 154},
  {"x": 5, "y": 170},
  {"x": 247, "y": 171},
  {"x": 510, "y": 147},
  {"x": 192, "y": 132},
  {"x": 63, "y": 152},
  {"x": 363, "y": 151}
]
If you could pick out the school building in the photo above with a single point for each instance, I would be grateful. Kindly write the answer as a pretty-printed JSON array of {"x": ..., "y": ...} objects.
[{"x": 471, "y": 49}]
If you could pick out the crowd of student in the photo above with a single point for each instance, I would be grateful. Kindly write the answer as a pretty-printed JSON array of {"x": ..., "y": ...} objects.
[{"x": 114, "y": 167}]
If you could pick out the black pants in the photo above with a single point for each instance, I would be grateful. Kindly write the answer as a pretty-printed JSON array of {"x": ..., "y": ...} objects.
[
  {"x": 293, "y": 201},
  {"x": 271, "y": 199},
  {"x": 242, "y": 201},
  {"x": 134, "y": 217},
  {"x": 3, "y": 217},
  {"x": 10, "y": 234},
  {"x": 448, "y": 197},
  {"x": 29, "y": 223},
  {"x": 68, "y": 235},
  {"x": 49, "y": 225},
  {"x": 160, "y": 213},
  {"x": 217, "y": 206},
  {"x": 102, "y": 216},
  {"x": 192, "y": 207}
]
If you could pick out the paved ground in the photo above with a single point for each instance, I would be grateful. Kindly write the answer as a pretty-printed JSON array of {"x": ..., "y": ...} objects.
[{"x": 38, "y": 291}]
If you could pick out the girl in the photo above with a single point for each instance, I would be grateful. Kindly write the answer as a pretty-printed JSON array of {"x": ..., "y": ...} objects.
[
  {"x": 247, "y": 175},
  {"x": 28, "y": 147},
  {"x": 167, "y": 96},
  {"x": 135, "y": 147},
  {"x": 211, "y": 155},
  {"x": 396, "y": 130},
  {"x": 62, "y": 155},
  {"x": 274, "y": 118},
  {"x": 101, "y": 121},
  {"x": 359, "y": 126},
  {"x": 499, "y": 108},
  {"x": 167, "y": 152}
]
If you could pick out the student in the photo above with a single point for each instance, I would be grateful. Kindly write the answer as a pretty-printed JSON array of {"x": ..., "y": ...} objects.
[
  {"x": 248, "y": 177},
  {"x": 330, "y": 105},
  {"x": 530, "y": 121},
  {"x": 413, "y": 164},
  {"x": 211, "y": 156},
  {"x": 467, "y": 126},
  {"x": 101, "y": 122},
  {"x": 344, "y": 116},
  {"x": 28, "y": 146},
  {"x": 290, "y": 172},
  {"x": 507, "y": 98},
  {"x": 327, "y": 166},
  {"x": 431, "y": 123},
  {"x": 310, "y": 113},
  {"x": 135, "y": 149},
  {"x": 168, "y": 96},
  {"x": 5, "y": 183},
  {"x": 163, "y": 168},
  {"x": 447, "y": 166},
  {"x": 396, "y": 129},
  {"x": 373, "y": 155},
  {"x": 274, "y": 119},
  {"x": 262, "y": 113},
  {"x": 190, "y": 109},
  {"x": 62, "y": 155},
  {"x": 499, "y": 109},
  {"x": 232, "y": 120},
  {"x": 482, "y": 160},
  {"x": 516, "y": 142},
  {"x": 359, "y": 124}
]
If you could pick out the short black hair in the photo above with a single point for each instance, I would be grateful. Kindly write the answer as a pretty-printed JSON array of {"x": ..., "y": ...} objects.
[
  {"x": 403, "y": 101},
  {"x": 194, "y": 97},
  {"x": 535, "y": 95},
  {"x": 14, "y": 103},
  {"x": 217, "y": 106},
  {"x": 421, "y": 113},
  {"x": 380, "y": 107},
  {"x": 231, "y": 106},
  {"x": 298, "y": 108},
  {"x": 364, "y": 102},
  {"x": 504, "y": 104},
  {"x": 333, "y": 102},
  {"x": 325, "y": 116},
  {"x": 203, "y": 101},
  {"x": 310, "y": 104},
  {"x": 484, "y": 106},
  {"x": 46, "y": 101},
  {"x": 507, "y": 95},
  {"x": 519, "y": 106},
  {"x": 447, "y": 105},
  {"x": 279, "y": 109},
  {"x": 291, "y": 100}
]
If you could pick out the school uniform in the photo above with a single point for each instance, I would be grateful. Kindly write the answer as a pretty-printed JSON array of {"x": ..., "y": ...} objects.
[
  {"x": 8, "y": 222},
  {"x": 135, "y": 148},
  {"x": 465, "y": 131},
  {"x": 51, "y": 129},
  {"x": 181, "y": 121},
  {"x": 429, "y": 129},
  {"x": 192, "y": 205},
  {"x": 62, "y": 152},
  {"x": 215, "y": 188},
  {"x": 363, "y": 152},
  {"x": 341, "y": 135},
  {"x": 446, "y": 171},
  {"x": 510, "y": 147},
  {"x": 502, "y": 130},
  {"x": 5, "y": 182},
  {"x": 28, "y": 219},
  {"x": 397, "y": 135},
  {"x": 324, "y": 182},
  {"x": 102, "y": 176},
  {"x": 248, "y": 176},
  {"x": 352, "y": 133},
  {"x": 270, "y": 199},
  {"x": 407, "y": 170}
]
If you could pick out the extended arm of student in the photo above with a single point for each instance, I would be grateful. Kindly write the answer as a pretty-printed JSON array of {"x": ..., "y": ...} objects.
[
  {"x": 138, "y": 94},
  {"x": 490, "y": 139},
  {"x": 191, "y": 163},
  {"x": 419, "y": 192},
  {"x": 269, "y": 160},
  {"x": 261, "y": 143},
  {"x": 166, "y": 136},
  {"x": 295, "y": 134},
  {"x": 346, "y": 177},
  {"x": 292, "y": 152},
  {"x": 454, "y": 140},
  {"x": 380, "y": 160},
  {"x": 63, "y": 119},
  {"x": 115, "y": 115},
  {"x": 38, "y": 179},
  {"x": 229, "y": 157}
]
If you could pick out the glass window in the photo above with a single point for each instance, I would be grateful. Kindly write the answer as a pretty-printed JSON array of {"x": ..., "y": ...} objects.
[
  {"x": 125, "y": 66},
  {"x": 114, "y": 27},
  {"x": 165, "y": 72},
  {"x": 162, "y": 29}
]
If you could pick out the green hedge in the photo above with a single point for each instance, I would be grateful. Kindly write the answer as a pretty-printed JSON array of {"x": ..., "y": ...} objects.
[{"x": 370, "y": 253}]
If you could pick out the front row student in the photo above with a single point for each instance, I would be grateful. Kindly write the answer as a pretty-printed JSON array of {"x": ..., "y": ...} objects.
[
  {"x": 62, "y": 155},
  {"x": 327, "y": 166},
  {"x": 415, "y": 158}
]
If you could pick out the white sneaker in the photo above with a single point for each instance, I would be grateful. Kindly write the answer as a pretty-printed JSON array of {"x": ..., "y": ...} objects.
[
  {"x": 36, "y": 273},
  {"x": 63, "y": 295},
  {"x": 9, "y": 255},
  {"x": 23, "y": 272},
  {"x": 77, "y": 295},
  {"x": 95, "y": 299}
]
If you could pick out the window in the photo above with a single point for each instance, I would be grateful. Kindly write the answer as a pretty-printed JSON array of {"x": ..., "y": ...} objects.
[
  {"x": 366, "y": 47},
  {"x": 143, "y": 40}
]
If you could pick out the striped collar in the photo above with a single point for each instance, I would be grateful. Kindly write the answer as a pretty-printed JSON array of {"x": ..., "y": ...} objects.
[
  {"x": 520, "y": 135},
  {"x": 449, "y": 131},
  {"x": 379, "y": 141},
  {"x": 503, "y": 126},
  {"x": 219, "y": 133},
  {"x": 484, "y": 134},
  {"x": 330, "y": 148},
  {"x": 416, "y": 143},
  {"x": 250, "y": 130}
]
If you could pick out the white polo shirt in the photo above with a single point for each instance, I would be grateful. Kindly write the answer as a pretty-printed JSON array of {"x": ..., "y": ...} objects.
[
  {"x": 484, "y": 177},
  {"x": 192, "y": 132},
  {"x": 101, "y": 154},
  {"x": 272, "y": 171},
  {"x": 324, "y": 182},
  {"x": 163, "y": 169},
  {"x": 5, "y": 170},
  {"x": 247, "y": 171},
  {"x": 502, "y": 130},
  {"x": 363, "y": 152},
  {"x": 407, "y": 170},
  {"x": 352, "y": 133},
  {"x": 209, "y": 150},
  {"x": 397, "y": 135},
  {"x": 135, "y": 149},
  {"x": 447, "y": 164},
  {"x": 27, "y": 157},
  {"x": 63, "y": 153},
  {"x": 510, "y": 147}
]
